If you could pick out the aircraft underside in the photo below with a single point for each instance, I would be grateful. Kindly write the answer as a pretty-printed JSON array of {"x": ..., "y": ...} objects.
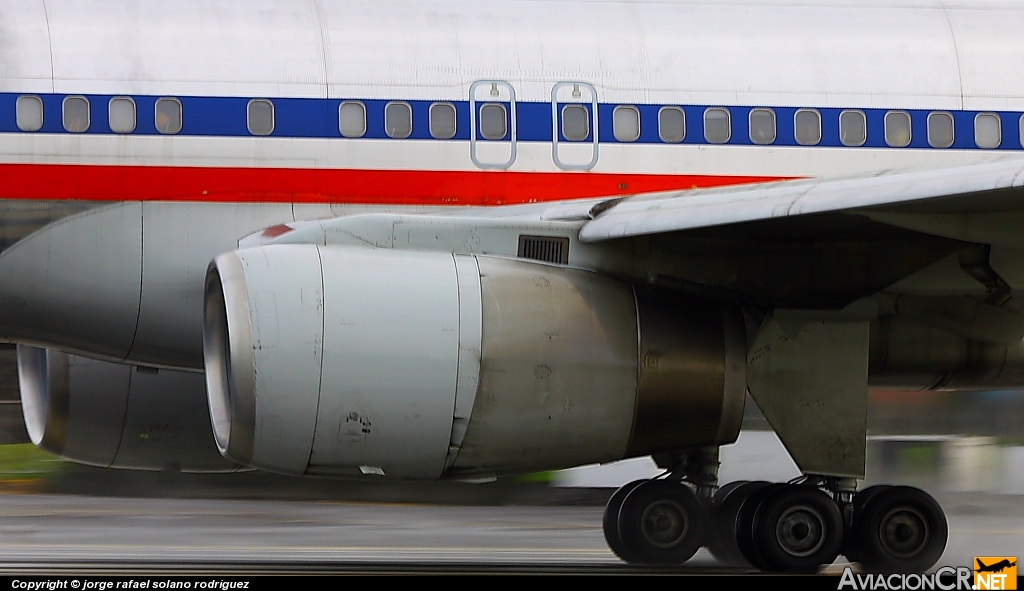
[
  {"x": 464, "y": 240},
  {"x": 430, "y": 346}
]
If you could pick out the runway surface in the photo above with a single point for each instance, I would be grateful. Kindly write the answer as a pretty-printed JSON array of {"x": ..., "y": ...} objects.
[{"x": 66, "y": 533}]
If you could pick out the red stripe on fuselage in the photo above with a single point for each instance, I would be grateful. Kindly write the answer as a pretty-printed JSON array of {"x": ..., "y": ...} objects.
[{"x": 303, "y": 185}]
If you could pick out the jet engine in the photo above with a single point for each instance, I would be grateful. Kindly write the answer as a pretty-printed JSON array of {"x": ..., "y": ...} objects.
[
  {"x": 909, "y": 355},
  {"x": 119, "y": 416},
  {"x": 351, "y": 360}
]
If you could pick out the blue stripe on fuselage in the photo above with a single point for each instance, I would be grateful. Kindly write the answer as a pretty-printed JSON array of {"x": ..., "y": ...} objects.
[{"x": 318, "y": 118}]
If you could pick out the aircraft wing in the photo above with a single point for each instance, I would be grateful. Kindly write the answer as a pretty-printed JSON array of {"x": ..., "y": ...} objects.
[{"x": 988, "y": 189}]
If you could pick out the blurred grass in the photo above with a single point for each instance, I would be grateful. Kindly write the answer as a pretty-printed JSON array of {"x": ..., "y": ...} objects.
[
  {"x": 25, "y": 461},
  {"x": 920, "y": 459},
  {"x": 537, "y": 477}
]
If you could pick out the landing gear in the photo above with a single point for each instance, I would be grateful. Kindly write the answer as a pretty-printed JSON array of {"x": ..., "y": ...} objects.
[
  {"x": 899, "y": 529},
  {"x": 654, "y": 522},
  {"x": 664, "y": 521},
  {"x": 796, "y": 527},
  {"x": 725, "y": 514},
  {"x": 610, "y": 523}
]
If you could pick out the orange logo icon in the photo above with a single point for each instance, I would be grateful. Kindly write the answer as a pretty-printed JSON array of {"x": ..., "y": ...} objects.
[{"x": 995, "y": 572}]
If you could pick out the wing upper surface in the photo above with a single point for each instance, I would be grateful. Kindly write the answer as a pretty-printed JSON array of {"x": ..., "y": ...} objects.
[{"x": 978, "y": 188}]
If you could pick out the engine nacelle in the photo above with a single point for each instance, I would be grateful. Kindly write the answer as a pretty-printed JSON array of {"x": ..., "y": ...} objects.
[
  {"x": 909, "y": 355},
  {"x": 348, "y": 360},
  {"x": 118, "y": 416}
]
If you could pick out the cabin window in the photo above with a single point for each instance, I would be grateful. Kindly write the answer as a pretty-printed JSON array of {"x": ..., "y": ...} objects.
[
  {"x": 261, "y": 117},
  {"x": 626, "y": 123},
  {"x": 352, "y": 119},
  {"x": 493, "y": 121},
  {"x": 671, "y": 125},
  {"x": 762, "y": 126},
  {"x": 807, "y": 127},
  {"x": 29, "y": 113},
  {"x": 940, "y": 130},
  {"x": 897, "y": 129},
  {"x": 988, "y": 131},
  {"x": 168, "y": 115},
  {"x": 717, "y": 125},
  {"x": 121, "y": 114},
  {"x": 76, "y": 114},
  {"x": 853, "y": 128},
  {"x": 442, "y": 121},
  {"x": 575, "y": 123},
  {"x": 398, "y": 120}
]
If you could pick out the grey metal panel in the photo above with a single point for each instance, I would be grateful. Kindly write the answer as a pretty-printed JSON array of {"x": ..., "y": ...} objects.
[
  {"x": 166, "y": 423},
  {"x": 691, "y": 380},
  {"x": 810, "y": 379},
  {"x": 469, "y": 334},
  {"x": 681, "y": 372},
  {"x": 998, "y": 228},
  {"x": 229, "y": 358},
  {"x": 1008, "y": 263},
  {"x": 286, "y": 301},
  {"x": 113, "y": 415},
  {"x": 21, "y": 217},
  {"x": 97, "y": 401},
  {"x": 558, "y": 369},
  {"x": 454, "y": 234},
  {"x": 75, "y": 284},
  {"x": 34, "y": 396},
  {"x": 391, "y": 348},
  {"x": 909, "y": 355},
  {"x": 468, "y": 380},
  {"x": 734, "y": 394},
  {"x": 964, "y": 317},
  {"x": 180, "y": 241}
]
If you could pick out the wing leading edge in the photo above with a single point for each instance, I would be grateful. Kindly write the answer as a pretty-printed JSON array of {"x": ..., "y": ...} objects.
[{"x": 992, "y": 188}]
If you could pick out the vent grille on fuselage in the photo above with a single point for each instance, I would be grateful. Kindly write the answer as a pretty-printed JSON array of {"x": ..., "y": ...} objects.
[{"x": 550, "y": 249}]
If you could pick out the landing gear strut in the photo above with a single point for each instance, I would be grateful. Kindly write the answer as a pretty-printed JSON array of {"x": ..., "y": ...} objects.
[{"x": 795, "y": 527}]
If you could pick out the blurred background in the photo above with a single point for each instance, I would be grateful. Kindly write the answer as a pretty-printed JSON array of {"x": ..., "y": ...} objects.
[
  {"x": 967, "y": 449},
  {"x": 950, "y": 442},
  {"x": 940, "y": 441}
]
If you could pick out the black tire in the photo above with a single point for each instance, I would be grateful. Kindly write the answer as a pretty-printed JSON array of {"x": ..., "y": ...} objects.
[
  {"x": 851, "y": 544},
  {"x": 901, "y": 529},
  {"x": 745, "y": 539},
  {"x": 797, "y": 529},
  {"x": 661, "y": 523},
  {"x": 721, "y": 532},
  {"x": 610, "y": 523}
]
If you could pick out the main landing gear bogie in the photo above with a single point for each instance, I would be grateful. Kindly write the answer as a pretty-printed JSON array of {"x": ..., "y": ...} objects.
[{"x": 796, "y": 527}]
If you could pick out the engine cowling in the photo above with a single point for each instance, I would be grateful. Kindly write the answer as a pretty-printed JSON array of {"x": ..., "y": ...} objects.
[
  {"x": 117, "y": 416},
  {"x": 909, "y": 355},
  {"x": 347, "y": 360}
]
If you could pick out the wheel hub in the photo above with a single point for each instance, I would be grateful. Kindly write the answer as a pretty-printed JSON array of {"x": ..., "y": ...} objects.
[
  {"x": 664, "y": 524},
  {"x": 904, "y": 531},
  {"x": 800, "y": 531}
]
